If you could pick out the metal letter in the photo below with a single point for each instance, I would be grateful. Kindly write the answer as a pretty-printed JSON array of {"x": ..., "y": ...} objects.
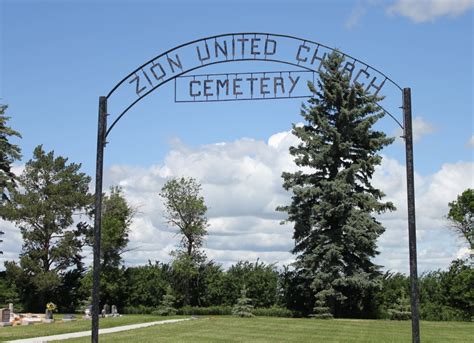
[
  {"x": 208, "y": 56},
  {"x": 320, "y": 59},
  {"x": 294, "y": 82},
  {"x": 349, "y": 67},
  {"x": 177, "y": 63},
  {"x": 217, "y": 47},
  {"x": 358, "y": 74},
  {"x": 236, "y": 86},
  {"x": 163, "y": 73},
  {"x": 222, "y": 84},
  {"x": 254, "y": 46},
  {"x": 138, "y": 90},
  {"x": 207, "y": 87},
  {"x": 243, "y": 40},
  {"x": 191, "y": 88},
  {"x": 298, "y": 58},
  {"x": 264, "y": 86},
  {"x": 272, "y": 52},
  {"x": 251, "y": 79},
  {"x": 378, "y": 88},
  {"x": 278, "y": 81}
]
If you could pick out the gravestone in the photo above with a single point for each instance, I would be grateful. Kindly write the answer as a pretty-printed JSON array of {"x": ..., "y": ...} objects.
[
  {"x": 114, "y": 312},
  {"x": 69, "y": 317},
  {"x": 10, "y": 307},
  {"x": 87, "y": 312},
  {"x": 5, "y": 317}
]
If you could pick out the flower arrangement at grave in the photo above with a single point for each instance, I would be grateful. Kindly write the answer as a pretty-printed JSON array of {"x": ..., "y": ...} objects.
[{"x": 50, "y": 308}]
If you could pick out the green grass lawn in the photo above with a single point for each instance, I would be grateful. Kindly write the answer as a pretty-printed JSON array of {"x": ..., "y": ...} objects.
[
  {"x": 259, "y": 329},
  {"x": 265, "y": 329},
  {"x": 57, "y": 328}
]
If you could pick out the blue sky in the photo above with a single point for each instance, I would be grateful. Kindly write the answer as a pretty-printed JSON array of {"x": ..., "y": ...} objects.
[{"x": 58, "y": 57}]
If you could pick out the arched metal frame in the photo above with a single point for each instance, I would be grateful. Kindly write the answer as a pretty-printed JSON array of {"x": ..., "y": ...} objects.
[{"x": 103, "y": 132}]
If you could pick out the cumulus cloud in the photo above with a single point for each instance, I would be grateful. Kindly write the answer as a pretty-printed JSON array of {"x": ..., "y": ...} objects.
[
  {"x": 471, "y": 142},
  {"x": 420, "y": 128},
  {"x": 241, "y": 183},
  {"x": 421, "y": 11},
  {"x": 358, "y": 12}
]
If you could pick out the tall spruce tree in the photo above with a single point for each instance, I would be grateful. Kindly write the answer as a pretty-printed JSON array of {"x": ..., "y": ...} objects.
[
  {"x": 333, "y": 202},
  {"x": 9, "y": 153}
]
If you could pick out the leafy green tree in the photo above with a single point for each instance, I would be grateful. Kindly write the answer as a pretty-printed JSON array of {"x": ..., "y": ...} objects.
[
  {"x": 117, "y": 216},
  {"x": 8, "y": 291},
  {"x": 210, "y": 286},
  {"x": 186, "y": 210},
  {"x": 9, "y": 153},
  {"x": 333, "y": 201},
  {"x": 51, "y": 193},
  {"x": 461, "y": 215},
  {"x": 259, "y": 279},
  {"x": 146, "y": 285}
]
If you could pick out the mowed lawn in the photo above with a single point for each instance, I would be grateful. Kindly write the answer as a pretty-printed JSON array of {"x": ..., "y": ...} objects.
[
  {"x": 265, "y": 329},
  {"x": 57, "y": 328}
]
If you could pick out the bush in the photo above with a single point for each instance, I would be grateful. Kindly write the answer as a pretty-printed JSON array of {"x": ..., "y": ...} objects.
[
  {"x": 140, "y": 309},
  {"x": 432, "y": 311},
  {"x": 273, "y": 311},
  {"x": 205, "y": 311},
  {"x": 399, "y": 315}
]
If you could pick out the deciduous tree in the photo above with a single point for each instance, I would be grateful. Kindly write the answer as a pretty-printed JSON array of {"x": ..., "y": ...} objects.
[
  {"x": 185, "y": 209},
  {"x": 461, "y": 215}
]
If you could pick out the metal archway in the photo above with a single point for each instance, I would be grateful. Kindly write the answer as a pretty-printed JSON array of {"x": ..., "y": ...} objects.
[{"x": 244, "y": 47}]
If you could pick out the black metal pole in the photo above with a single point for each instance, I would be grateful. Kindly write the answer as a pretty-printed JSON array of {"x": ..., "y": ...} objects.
[
  {"x": 102, "y": 129},
  {"x": 415, "y": 324}
]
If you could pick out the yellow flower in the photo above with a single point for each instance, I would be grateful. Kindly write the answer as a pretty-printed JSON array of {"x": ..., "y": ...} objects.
[{"x": 50, "y": 306}]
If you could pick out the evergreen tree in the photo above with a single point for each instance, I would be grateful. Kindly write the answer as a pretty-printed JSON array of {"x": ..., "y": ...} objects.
[
  {"x": 166, "y": 307},
  {"x": 333, "y": 201},
  {"x": 9, "y": 153},
  {"x": 51, "y": 193},
  {"x": 243, "y": 307}
]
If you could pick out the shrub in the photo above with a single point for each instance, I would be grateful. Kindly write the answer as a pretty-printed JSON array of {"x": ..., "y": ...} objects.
[
  {"x": 166, "y": 307},
  {"x": 244, "y": 307},
  {"x": 399, "y": 315},
  {"x": 432, "y": 311},
  {"x": 273, "y": 311},
  {"x": 140, "y": 309},
  {"x": 205, "y": 311}
]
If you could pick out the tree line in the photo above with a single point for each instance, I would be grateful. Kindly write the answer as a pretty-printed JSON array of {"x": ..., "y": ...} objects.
[{"x": 332, "y": 209}]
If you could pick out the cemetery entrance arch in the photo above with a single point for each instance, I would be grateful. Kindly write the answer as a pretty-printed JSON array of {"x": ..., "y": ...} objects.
[{"x": 176, "y": 64}]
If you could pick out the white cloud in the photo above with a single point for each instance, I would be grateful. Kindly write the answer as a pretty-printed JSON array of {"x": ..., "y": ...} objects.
[
  {"x": 420, "y": 128},
  {"x": 428, "y": 10},
  {"x": 356, "y": 15},
  {"x": 359, "y": 11},
  {"x": 241, "y": 182},
  {"x": 471, "y": 142}
]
